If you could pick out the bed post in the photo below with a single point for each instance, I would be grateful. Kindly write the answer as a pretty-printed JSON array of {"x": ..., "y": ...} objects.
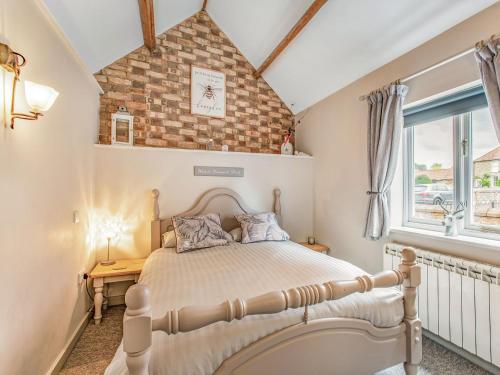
[
  {"x": 137, "y": 330},
  {"x": 156, "y": 223},
  {"x": 277, "y": 203},
  {"x": 411, "y": 272}
]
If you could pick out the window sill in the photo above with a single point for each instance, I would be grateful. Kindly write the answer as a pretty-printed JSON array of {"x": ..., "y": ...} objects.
[{"x": 476, "y": 242}]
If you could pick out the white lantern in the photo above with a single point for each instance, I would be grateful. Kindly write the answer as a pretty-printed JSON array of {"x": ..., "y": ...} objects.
[{"x": 122, "y": 127}]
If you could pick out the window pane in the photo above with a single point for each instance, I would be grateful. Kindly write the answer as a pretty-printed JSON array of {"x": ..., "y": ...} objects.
[
  {"x": 433, "y": 169},
  {"x": 486, "y": 170},
  {"x": 122, "y": 130}
]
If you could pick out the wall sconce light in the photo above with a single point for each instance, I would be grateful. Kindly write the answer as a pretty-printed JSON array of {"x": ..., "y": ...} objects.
[{"x": 39, "y": 97}]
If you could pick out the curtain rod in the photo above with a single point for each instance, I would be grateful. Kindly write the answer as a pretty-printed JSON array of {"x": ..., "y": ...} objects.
[{"x": 438, "y": 64}]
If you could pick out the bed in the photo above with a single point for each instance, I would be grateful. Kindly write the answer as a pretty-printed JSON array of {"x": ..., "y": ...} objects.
[{"x": 267, "y": 307}]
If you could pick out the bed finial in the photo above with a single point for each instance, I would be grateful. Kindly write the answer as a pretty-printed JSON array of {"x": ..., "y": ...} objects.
[
  {"x": 156, "y": 207},
  {"x": 277, "y": 202},
  {"x": 137, "y": 334},
  {"x": 411, "y": 271}
]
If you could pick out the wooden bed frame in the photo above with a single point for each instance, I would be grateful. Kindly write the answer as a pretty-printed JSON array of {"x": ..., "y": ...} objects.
[{"x": 322, "y": 346}]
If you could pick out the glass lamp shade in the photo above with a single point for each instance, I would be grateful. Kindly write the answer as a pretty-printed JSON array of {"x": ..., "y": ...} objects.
[{"x": 39, "y": 97}]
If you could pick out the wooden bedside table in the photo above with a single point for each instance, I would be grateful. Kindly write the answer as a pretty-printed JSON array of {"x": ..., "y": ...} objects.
[
  {"x": 122, "y": 270},
  {"x": 316, "y": 247}
]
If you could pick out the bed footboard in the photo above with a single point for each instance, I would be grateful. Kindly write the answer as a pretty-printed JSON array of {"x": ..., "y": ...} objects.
[{"x": 138, "y": 323}]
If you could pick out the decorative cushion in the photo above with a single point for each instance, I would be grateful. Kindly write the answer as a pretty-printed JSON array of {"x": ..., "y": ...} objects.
[
  {"x": 168, "y": 239},
  {"x": 261, "y": 227},
  {"x": 236, "y": 234},
  {"x": 197, "y": 232}
]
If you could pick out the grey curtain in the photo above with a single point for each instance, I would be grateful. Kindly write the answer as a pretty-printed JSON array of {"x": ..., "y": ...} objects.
[
  {"x": 385, "y": 123},
  {"x": 488, "y": 58}
]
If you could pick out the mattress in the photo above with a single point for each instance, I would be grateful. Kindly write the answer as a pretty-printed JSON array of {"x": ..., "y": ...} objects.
[{"x": 213, "y": 275}]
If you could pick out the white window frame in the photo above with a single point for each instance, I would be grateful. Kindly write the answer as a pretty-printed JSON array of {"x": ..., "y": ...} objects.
[{"x": 463, "y": 180}]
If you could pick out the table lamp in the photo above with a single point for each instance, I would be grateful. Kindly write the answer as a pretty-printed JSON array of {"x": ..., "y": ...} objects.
[{"x": 109, "y": 231}]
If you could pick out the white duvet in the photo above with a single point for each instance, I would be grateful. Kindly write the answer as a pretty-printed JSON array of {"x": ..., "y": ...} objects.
[{"x": 213, "y": 275}]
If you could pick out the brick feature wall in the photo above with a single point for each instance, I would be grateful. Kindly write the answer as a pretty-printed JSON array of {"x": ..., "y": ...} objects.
[{"x": 155, "y": 87}]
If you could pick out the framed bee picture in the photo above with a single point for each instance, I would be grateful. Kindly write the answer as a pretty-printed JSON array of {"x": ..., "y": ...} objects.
[{"x": 208, "y": 92}]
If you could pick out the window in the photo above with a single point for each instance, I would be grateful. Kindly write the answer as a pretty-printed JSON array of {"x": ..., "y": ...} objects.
[
  {"x": 452, "y": 156},
  {"x": 483, "y": 165}
]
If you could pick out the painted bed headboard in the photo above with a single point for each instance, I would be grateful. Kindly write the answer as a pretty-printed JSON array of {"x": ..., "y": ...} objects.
[{"x": 223, "y": 201}]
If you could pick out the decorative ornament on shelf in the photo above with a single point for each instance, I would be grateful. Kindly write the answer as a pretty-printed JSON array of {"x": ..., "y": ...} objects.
[
  {"x": 297, "y": 122},
  {"x": 210, "y": 144},
  {"x": 450, "y": 220},
  {"x": 122, "y": 127},
  {"x": 39, "y": 97},
  {"x": 287, "y": 146}
]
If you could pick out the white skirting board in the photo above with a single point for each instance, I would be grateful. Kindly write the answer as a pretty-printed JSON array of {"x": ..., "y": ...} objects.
[{"x": 65, "y": 352}]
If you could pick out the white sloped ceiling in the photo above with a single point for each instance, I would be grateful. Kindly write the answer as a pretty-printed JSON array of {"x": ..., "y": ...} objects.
[{"x": 346, "y": 39}]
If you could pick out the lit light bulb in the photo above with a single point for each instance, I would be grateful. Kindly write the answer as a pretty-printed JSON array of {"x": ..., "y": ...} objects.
[
  {"x": 6, "y": 82},
  {"x": 111, "y": 228}
]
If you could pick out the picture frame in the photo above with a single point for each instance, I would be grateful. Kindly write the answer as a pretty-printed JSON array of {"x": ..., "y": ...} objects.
[
  {"x": 208, "y": 92},
  {"x": 122, "y": 128}
]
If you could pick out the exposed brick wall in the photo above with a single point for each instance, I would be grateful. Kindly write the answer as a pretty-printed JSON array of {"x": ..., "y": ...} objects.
[{"x": 155, "y": 87}]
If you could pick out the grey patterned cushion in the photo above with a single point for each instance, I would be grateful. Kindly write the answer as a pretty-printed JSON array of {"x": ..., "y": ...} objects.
[
  {"x": 197, "y": 232},
  {"x": 261, "y": 227}
]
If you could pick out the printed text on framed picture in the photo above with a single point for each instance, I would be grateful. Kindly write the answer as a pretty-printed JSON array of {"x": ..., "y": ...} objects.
[{"x": 208, "y": 92}]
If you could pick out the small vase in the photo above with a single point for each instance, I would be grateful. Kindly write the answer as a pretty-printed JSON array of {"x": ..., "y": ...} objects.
[{"x": 287, "y": 148}]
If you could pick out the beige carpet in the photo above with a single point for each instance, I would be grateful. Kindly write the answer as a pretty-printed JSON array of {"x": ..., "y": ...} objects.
[{"x": 98, "y": 344}]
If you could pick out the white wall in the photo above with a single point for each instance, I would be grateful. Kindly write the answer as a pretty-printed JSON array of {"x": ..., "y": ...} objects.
[
  {"x": 334, "y": 131},
  {"x": 51, "y": 167},
  {"x": 46, "y": 173},
  {"x": 126, "y": 175}
]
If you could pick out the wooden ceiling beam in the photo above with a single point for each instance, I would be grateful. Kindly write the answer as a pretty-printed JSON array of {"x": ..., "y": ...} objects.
[
  {"x": 146, "y": 9},
  {"x": 204, "y": 7},
  {"x": 301, "y": 23}
]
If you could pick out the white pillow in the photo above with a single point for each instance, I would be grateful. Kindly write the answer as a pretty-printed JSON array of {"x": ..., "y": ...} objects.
[
  {"x": 261, "y": 227},
  {"x": 236, "y": 234},
  {"x": 168, "y": 239}
]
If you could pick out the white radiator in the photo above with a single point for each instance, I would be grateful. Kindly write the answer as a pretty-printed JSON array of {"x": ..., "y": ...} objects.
[{"x": 458, "y": 299}]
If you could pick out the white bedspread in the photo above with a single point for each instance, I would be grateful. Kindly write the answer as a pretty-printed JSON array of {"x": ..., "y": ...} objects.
[{"x": 213, "y": 275}]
